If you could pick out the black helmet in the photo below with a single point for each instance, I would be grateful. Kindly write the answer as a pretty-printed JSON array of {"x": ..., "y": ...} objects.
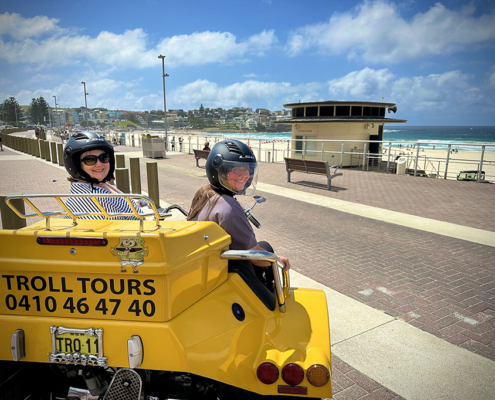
[
  {"x": 232, "y": 156},
  {"x": 80, "y": 143}
]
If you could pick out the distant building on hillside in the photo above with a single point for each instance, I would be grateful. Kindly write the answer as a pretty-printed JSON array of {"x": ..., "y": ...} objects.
[{"x": 352, "y": 121}]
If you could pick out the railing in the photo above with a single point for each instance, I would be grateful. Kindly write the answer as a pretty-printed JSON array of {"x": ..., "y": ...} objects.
[
  {"x": 67, "y": 213},
  {"x": 444, "y": 163}
]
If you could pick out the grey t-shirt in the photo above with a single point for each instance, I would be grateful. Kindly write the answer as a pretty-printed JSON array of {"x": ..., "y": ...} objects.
[{"x": 228, "y": 213}]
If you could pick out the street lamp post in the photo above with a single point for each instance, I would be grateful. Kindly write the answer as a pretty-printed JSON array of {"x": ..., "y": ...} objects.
[
  {"x": 164, "y": 75},
  {"x": 55, "y": 98},
  {"x": 15, "y": 109},
  {"x": 85, "y": 104}
]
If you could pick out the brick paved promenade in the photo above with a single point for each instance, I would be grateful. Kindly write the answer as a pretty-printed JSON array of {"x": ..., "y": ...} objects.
[{"x": 442, "y": 285}]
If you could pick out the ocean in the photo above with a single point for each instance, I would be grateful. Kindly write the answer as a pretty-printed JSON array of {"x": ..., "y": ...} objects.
[{"x": 464, "y": 138}]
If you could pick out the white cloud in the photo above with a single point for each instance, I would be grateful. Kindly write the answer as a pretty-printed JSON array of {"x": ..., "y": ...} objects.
[
  {"x": 132, "y": 48},
  {"x": 491, "y": 77},
  {"x": 20, "y": 28},
  {"x": 376, "y": 32},
  {"x": 238, "y": 94},
  {"x": 364, "y": 83},
  {"x": 435, "y": 91}
]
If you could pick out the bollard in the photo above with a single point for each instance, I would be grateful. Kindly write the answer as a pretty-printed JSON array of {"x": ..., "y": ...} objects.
[
  {"x": 31, "y": 147},
  {"x": 135, "y": 175},
  {"x": 42, "y": 149},
  {"x": 47, "y": 150},
  {"x": 153, "y": 190},
  {"x": 120, "y": 158},
  {"x": 53, "y": 146},
  {"x": 37, "y": 148},
  {"x": 60, "y": 148},
  {"x": 122, "y": 179},
  {"x": 10, "y": 220}
]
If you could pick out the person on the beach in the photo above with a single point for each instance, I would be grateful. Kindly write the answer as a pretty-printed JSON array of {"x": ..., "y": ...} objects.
[
  {"x": 207, "y": 147},
  {"x": 180, "y": 143},
  {"x": 1, "y": 145},
  {"x": 173, "y": 143},
  {"x": 232, "y": 169},
  {"x": 89, "y": 160}
]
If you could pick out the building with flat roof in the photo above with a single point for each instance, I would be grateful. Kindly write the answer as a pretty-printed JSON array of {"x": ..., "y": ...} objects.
[{"x": 348, "y": 123}]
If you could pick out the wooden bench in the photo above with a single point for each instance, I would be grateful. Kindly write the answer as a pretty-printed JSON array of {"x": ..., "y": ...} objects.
[
  {"x": 198, "y": 154},
  {"x": 312, "y": 167}
]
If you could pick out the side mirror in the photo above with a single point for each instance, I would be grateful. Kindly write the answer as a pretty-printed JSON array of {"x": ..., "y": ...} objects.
[{"x": 259, "y": 199}]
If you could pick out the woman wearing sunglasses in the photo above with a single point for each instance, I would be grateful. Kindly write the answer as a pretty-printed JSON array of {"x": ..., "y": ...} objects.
[{"x": 89, "y": 159}]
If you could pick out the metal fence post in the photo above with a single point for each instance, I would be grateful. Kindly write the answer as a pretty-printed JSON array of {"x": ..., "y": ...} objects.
[
  {"x": 417, "y": 160},
  {"x": 135, "y": 175},
  {"x": 10, "y": 220},
  {"x": 364, "y": 155},
  {"x": 481, "y": 163},
  {"x": 447, "y": 162},
  {"x": 342, "y": 155},
  {"x": 122, "y": 179}
]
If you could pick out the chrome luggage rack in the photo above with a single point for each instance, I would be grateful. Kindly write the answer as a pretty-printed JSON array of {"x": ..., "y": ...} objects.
[{"x": 157, "y": 213}]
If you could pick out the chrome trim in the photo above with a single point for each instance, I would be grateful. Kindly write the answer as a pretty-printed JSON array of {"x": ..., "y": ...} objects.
[
  {"x": 95, "y": 360},
  {"x": 58, "y": 197},
  {"x": 257, "y": 255}
]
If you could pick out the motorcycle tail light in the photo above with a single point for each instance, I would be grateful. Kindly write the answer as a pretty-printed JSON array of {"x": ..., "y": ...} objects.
[
  {"x": 70, "y": 241},
  {"x": 267, "y": 373},
  {"x": 292, "y": 374},
  {"x": 318, "y": 375}
]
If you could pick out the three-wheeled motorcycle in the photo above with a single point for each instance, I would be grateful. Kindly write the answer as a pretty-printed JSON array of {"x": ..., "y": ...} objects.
[{"x": 149, "y": 309}]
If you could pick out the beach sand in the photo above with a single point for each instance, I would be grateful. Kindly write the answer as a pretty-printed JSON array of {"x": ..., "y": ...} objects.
[{"x": 432, "y": 161}]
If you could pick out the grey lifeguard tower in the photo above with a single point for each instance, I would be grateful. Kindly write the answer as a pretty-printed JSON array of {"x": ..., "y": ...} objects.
[{"x": 346, "y": 122}]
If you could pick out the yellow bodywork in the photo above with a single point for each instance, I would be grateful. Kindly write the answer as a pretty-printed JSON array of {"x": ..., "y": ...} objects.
[{"x": 179, "y": 302}]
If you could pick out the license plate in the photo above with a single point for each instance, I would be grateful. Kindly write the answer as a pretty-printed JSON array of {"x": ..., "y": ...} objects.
[
  {"x": 77, "y": 343},
  {"x": 77, "y": 346}
]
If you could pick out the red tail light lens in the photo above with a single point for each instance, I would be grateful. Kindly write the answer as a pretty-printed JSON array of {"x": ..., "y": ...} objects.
[
  {"x": 292, "y": 374},
  {"x": 267, "y": 373},
  {"x": 69, "y": 241}
]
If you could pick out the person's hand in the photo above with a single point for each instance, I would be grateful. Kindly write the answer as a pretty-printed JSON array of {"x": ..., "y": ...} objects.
[{"x": 286, "y": 262}]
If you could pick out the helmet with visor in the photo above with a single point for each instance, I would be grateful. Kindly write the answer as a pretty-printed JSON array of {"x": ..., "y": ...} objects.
[{"x": 231, "y": 167}]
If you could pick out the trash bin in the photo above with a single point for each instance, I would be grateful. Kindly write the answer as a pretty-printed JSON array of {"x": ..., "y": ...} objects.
[{"x": 401, "y": 165}]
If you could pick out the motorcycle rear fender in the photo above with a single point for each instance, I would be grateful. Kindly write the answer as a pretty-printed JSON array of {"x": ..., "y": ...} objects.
[{"x": 207, "y": 339}]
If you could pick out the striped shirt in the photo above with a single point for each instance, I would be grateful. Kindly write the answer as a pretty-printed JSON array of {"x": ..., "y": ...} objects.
[{"x": 85, "y": 205}]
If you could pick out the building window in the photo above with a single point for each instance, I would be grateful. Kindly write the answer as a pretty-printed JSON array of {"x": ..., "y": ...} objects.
[
  {"x": 299, "y": 144},
  {"x": 311, "y": 111},
  {"x": 343, "y": 111},
  {"x": 375, "y": 111},
  {"x": 298, "y": 112},
  {"x": 382, "y": 112},
  {"x": 366, "y": 111},
  {"x": 311, "y": 145},
  {"x": 326, "y": 111},
  {"x": 356, "y": 111}
]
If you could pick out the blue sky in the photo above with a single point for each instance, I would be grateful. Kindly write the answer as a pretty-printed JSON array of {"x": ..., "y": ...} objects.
[{"x": 435, "y": 60}]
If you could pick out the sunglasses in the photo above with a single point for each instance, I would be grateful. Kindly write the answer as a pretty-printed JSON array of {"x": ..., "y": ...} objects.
[{"x": 92, "y": 160}]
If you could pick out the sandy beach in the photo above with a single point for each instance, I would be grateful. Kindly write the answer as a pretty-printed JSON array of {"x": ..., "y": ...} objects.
[{"x": 432, "y": 161}]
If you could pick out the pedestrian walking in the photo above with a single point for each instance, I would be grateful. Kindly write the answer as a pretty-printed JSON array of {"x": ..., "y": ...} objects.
[
  {"x": 1, "y": 145},
  {"x": 180, "y": 143},
  {"x": 173, "y": 143}
]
